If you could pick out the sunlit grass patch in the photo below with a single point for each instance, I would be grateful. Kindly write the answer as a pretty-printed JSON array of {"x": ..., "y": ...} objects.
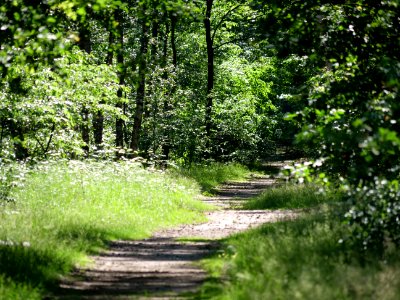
[
  {"x": 299, "y": 259},
  {"x": 292, "y": 196},
  {"x": 16, "y": 291},
  {"x": 68, "y": 209},
  {"x": 209, "y": 176}
]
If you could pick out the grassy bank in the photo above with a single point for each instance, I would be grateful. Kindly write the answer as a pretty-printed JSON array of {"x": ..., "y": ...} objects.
[
  {"x": 291, "y": 196},
  {"x": 208, "y": 176},
  {"x": 66, "y": 210},
  {"x": 300, "y": 259}
]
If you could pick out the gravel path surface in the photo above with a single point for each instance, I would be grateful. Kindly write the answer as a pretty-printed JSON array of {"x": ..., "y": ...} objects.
[{"x": 162, "y": 267}]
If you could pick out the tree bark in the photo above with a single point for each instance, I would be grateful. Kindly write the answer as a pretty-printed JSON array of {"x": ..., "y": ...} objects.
[
  {"x": 166, "y": 145},
  {"x": 153, "y": 53},
  {"x": 84, "y": 38},
  {"x": 85, "y": 45},
  {"x": 154, "y": 35},
  {"x": 174, "y": 20},
  {"x": 98, "y": 118},
  {"x": 85, "y": 130},
  {"x": 210, "y": 69},
  {"x": 140, "y": 92},
  {"x": 17, "y": 135},
  {"x": 119, "y": 123}
]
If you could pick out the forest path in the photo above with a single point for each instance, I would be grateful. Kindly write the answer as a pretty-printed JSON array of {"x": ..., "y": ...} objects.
[{"x": 162, "y": 267}]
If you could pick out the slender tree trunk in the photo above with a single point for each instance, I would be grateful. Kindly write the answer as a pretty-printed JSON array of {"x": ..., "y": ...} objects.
[
  {"x": 98, "y": 127},
  {"x": 153, "y": 53},
  {"x": 17, "y": 135},
  {"x": 119, "y": 123},
  {"x": 151, "y": 105},
  {"x": 3, "y": 124},
  {"x": 174, "y": 20},
  {"x": 140, "y": 92},
  {"x": 85, "y": 130},
  {"x": 154, "y": 60},
  {"x": 98, "y": 118},
  {"x": 166, "y": 147},
  {"x": 210, "y": 69},
  {"x": 110, "y": 51},
  {"x": 166, "y": 144},
  {"x": 154, "y": 35},
  {"x": 84, "y": 38},
  {"x": 85, "y": 44}
]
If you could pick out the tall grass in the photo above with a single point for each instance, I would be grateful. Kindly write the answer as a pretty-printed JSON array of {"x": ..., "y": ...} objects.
[
  {"x": 292, "y": 196},
  {"x": 304, "y": 258},
  {"x": 69, "y": 209},
  {"x": 208, "y": 176}
]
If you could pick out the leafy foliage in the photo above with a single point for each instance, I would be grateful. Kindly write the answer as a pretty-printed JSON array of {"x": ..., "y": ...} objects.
[
  {"x": 352, "y": 112},
  {"x": 47, "y": 108}
]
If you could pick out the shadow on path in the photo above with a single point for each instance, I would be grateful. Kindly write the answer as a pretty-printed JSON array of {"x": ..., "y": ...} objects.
[
  {"x": 132, "y": 268},
  {"x": 161, "y": 267}
]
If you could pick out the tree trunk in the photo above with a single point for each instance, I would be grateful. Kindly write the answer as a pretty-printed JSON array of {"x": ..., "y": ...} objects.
[
  {"x": 98, "y": 118},
  {"x": 3, "y": 125},
  {"x": 154, "y": 35},
  {"x": 210, "y": 70},
  {"x": 166, "y": 146},
  {"x": 140, "y": 92},
  {"x": 20, "y": 150},
  {"x": 119, "y": 123},
  {"x": 98, "y": 127},
  {"x": 151, "y": 109},
  {"x": 174, "y": 20},
  {"x": 85, "y": 45},
  {"x": 84, "y": 38},
  {"x": 85, "y": 130}
]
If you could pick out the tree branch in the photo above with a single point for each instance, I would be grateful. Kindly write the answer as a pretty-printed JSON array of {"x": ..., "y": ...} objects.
[
  {"x": 41, "y": 146},
  {"x": 223, "y": 20},
  {"x": 228, "y": 42},
  {"x": 51, "y": 137},
  {"x": 239, "y": 38}
]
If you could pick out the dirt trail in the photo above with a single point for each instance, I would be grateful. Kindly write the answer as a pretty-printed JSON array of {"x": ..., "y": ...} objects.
[{"x": 162, "y": 267}]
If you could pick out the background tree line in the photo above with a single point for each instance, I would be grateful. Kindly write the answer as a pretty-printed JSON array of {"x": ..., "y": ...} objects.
[{"x": 181, "y": 79}]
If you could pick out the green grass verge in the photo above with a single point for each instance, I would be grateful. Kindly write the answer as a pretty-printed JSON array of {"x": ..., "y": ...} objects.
[
  {"x": 9, "y": 289},
  {"x": 299, "y": 259},
  {"x": 66, "y": 210},
  {"x": 209, "y": 176},
  {"x": 292, "y": 196}
]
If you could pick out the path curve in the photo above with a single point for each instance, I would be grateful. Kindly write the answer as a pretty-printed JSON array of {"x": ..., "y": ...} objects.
[{"x": 162, "y": 267}]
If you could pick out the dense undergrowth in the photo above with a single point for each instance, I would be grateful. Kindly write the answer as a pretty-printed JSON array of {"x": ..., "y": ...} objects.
[
  {"x": 64, "y": 210},
  {"x": 305, "y": 258}
]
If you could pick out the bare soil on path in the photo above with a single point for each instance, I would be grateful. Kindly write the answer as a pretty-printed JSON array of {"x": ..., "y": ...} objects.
[{"x": 162, "y": 267}]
